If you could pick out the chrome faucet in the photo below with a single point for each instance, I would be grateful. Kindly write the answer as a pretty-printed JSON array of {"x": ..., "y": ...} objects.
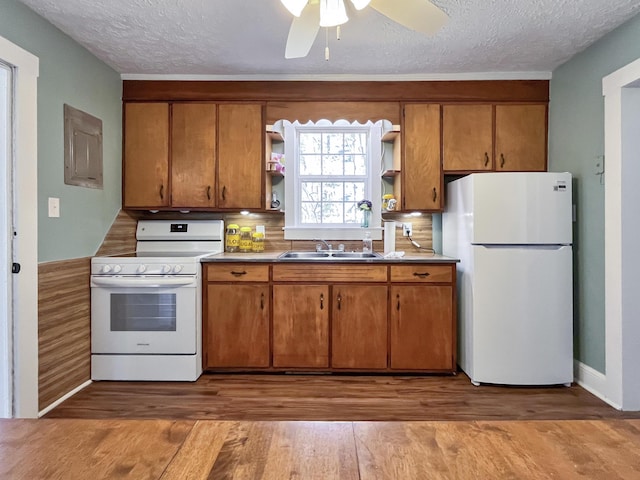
[
  {"x": 328, "y": 245},
  {"x": 319, "y": 246}
]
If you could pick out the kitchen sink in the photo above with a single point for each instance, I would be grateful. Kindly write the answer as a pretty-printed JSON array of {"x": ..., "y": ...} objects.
[{"x": 330, "y": 255}]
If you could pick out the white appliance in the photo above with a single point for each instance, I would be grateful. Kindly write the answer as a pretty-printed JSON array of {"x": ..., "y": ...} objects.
[
  {"x": 146, "y": 309},
  {"x": 512, "y": 233}
]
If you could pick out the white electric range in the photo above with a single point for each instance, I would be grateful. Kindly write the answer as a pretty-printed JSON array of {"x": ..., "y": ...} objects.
[{"x": 146, "y": 307}]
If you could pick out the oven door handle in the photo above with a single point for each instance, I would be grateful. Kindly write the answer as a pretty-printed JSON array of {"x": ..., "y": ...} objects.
[{"x": 142, "y": 282}]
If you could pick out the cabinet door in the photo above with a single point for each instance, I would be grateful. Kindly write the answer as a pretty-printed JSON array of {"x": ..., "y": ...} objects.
[
  {"x": 422, "y": 327},
  {"x": 521, "y": 138},
  {"x": 240, "y": 154},
  {"x": 237, "y": 329},
  {"x": 421, "y": 170},
  {"x": 467, "y": 138},
  {"x": 359, "y": 326},
  {"x": 193, "y": 147},
  {"x": 300, "y": 326},
  {"x": 146, "y": 155}
]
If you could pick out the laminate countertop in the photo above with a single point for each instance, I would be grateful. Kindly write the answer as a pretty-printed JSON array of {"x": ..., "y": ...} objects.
[{"x": 271, "y": 257}]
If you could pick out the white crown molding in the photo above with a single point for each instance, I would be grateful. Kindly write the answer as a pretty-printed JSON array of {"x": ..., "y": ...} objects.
[{"x": 346, "y": 77}]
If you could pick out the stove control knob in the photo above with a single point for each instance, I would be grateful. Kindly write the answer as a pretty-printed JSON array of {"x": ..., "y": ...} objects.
[
  {"x": 166, "y": 268},
  {"x": 177, "y": 268},
  {"x": 141, "y": 269},
  {"x": 117, "y": 269},
  {"x": 106, "y": 268}
]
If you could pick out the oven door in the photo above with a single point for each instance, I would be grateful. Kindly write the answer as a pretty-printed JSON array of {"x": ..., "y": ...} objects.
[{"x": 144, "y": 315}]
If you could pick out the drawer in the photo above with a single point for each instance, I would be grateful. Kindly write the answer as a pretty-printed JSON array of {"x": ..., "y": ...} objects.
[
  {"x": 329, "y": 273},
  {"x": 422, "y": 273},
  {"x": 237, "y": 272}
]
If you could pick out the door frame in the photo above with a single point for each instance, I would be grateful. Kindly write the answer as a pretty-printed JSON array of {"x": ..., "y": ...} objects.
[
  {"x": 621, "y": 90},
  {"x": 25, "y": 220}
]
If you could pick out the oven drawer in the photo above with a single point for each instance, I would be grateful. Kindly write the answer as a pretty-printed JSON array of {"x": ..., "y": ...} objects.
[{"x": 237, "y": 272}]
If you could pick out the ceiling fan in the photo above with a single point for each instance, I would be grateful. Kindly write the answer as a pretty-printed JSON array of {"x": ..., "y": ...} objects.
[{"x": 309, "y": 15}]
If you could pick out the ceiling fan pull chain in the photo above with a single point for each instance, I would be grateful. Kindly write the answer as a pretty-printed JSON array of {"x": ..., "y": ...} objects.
[{"x": 338, "y": 32}]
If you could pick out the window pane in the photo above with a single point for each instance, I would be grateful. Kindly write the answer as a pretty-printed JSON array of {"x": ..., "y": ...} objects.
[
  {"x": 310, "y": 191},
  {"x": 355, "y": 165},
  {"x": 333, "y": 143},
  {"x": 353, "y": 191},
  {"x": 310, "y": 212},
  {"x": 310, "y": 164},
  {"x": 332, "y": 212},
  {"x": 351, "y": 213},
  {"x": 332, "y": 165},
  {"x": 355, "y": 142},
  {"x": 310, "y": 142},
  {"x": 333, "y": 191}
]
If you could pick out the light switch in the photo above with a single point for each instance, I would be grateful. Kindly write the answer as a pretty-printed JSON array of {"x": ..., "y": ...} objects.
[{"x": 54, "y": 207}]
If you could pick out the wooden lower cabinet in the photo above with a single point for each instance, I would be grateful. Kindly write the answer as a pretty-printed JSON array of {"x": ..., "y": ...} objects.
[
  {"x": 347, "y": 317},
  {"x": 359, "y": 326},
  {"x": 301, "y": 326},
  {"x": 421, "y": 327}
]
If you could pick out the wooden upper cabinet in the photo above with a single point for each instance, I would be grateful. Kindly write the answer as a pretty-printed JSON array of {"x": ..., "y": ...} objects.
[
  {"x": 521, "y": 138},
  {"x": 240, "y": 156},
  {"x": 146, "y": 155},
  {"x": 421, "y": 168},
  {"x": 467, "y": 138},
  {"x": 193, "y": 153}
]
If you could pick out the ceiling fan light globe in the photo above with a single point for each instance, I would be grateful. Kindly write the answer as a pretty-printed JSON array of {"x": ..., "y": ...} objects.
[
  {"x": 360, "y": 4},
  {"x": 295, "y": 6},
  {"x": 332, "y": 13}
]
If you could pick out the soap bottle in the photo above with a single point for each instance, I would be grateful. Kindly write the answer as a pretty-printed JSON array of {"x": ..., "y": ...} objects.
[{"x": 367, "y": 243}]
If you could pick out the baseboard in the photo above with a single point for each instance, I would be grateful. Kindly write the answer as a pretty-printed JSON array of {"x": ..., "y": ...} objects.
[
  {"x": 592, "y": 381},
  {"x": 46, "y": 410}
]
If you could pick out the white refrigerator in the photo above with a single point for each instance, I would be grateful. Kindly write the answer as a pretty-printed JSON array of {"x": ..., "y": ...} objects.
[{"x": 512, "y": 233}]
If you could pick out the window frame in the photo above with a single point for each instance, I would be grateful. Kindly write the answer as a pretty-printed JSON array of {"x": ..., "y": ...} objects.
[{"x": 294, "y": 229}]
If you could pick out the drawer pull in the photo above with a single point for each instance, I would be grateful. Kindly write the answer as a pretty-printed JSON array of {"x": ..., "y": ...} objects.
[
  {"x": 398, "y": 305},
  {"x": 209, "y": 192},
  {"x": 161, "y": 192},
  {"x": 501, "y": 160},
  {"x": 435, "y": 194},
  {"x": 322, "y": 301},
  {"x": 339, "y": 301},
  {"x": 224, "y": 193},
  {"x": 486, "y": 159},
  {"x": 421, "y": 275},
  {"x": 238, "y": 274},
  {"x": 262, "y": 301}
]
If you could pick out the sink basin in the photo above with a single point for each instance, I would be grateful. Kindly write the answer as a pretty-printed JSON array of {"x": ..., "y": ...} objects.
[
  {"x": 304, "y": 255},
  {"x": 355, "y": 255},
  {"x": 291, "y": 255}
]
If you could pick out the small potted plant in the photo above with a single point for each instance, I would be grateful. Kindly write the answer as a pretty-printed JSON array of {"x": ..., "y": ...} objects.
[{"x": 365, "y": 208}]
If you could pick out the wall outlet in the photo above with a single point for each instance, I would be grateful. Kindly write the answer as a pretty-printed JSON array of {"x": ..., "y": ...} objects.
[
  {"x": 407, "y": 229},
  {"x": 54, "y": 207}
]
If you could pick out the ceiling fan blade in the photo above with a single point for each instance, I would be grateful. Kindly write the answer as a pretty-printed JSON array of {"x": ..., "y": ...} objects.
[
  {"x": 303, "y": 32},
  {"x": 419, "y": 15}
]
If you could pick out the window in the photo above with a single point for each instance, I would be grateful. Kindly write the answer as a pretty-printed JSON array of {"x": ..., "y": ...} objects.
[{"x": 330, "y": 168}]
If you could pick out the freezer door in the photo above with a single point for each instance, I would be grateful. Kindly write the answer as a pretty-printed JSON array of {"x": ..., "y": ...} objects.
[
  {"x": 521, "y": 208},
  {"x": 522, "y": 315}
]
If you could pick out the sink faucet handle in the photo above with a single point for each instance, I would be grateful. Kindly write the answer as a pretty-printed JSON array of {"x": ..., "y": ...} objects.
[
  {"x": 318, "y": 247},
  {"x": 341, "y": 247}
]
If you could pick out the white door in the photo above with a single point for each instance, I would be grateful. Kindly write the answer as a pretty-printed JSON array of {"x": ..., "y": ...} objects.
[
  {"x": 521, "y": 208},
  {"x": 522, "y": 315},
  {"x": 6, "y": 200}
]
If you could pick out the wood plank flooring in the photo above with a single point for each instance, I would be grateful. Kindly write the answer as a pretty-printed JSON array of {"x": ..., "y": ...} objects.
[
  {"x": 332, "y": 398},
  {"x": 73, "y": 449}
]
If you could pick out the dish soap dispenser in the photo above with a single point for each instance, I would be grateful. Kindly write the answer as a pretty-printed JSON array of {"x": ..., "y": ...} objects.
[{"x": 367, "y": 243}]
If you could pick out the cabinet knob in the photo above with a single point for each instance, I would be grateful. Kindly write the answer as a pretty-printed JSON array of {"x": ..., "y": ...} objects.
[
  {"x": 224, "y": 193},
  {"x": 161, "y": 192},
  {"x": 339, "y": 301},
  {"x": 486, "y": 159},
  {"x": 262, "y": 301},
  {"x": 435, "y": 194},
  {"x": 322, "y": 301},
  {"x": 398, "y": 304},
  {"x": 501, "y": 160},
  {"x": 208, "y": 192}
]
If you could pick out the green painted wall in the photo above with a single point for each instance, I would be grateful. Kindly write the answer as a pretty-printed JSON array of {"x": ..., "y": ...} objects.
[
  {"x": 576, "y": 142},
  {"x": 69, "y": 74}
]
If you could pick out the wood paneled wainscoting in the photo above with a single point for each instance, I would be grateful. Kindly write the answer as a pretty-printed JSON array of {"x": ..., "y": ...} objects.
[{"x": 64, "y": 328}]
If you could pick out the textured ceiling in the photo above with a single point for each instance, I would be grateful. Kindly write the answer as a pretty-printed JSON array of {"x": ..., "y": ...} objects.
[{"x": 246, "y": 38}]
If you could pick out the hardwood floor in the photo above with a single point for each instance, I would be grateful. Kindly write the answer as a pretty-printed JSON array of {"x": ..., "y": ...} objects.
[
  {"x": 332, "y": 398},
  {"x": 73, "y": 449}
]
